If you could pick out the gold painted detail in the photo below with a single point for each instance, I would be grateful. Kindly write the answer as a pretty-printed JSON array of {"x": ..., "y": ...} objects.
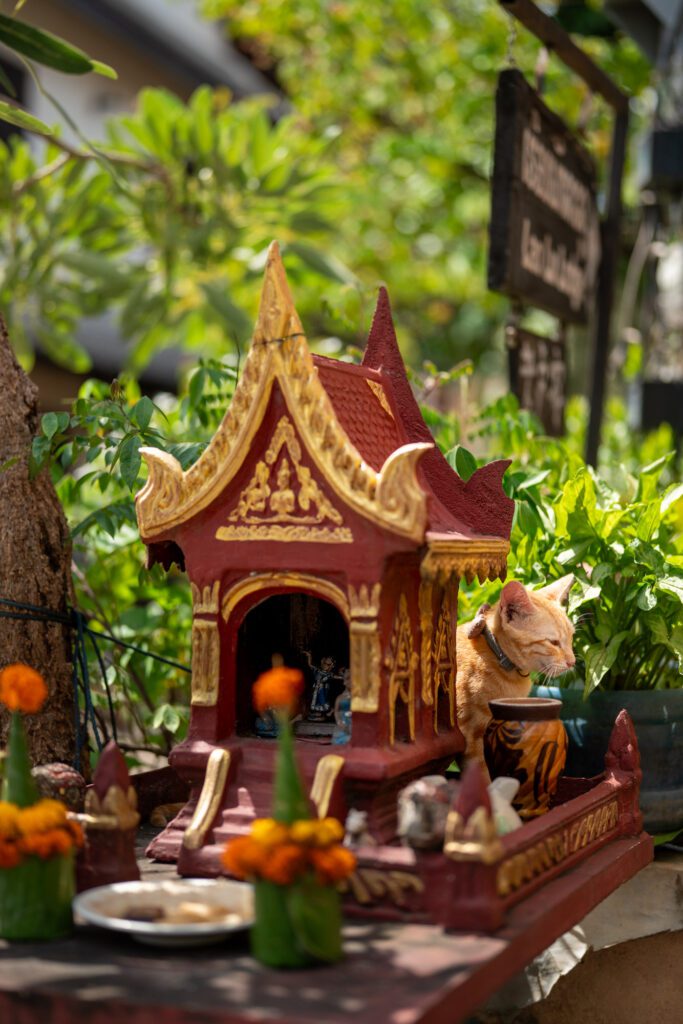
[
  {"x": 205, "y": 600},
  {"x": 392, "y": 498},
  {"x": 364, "y": 602},
  {"x": 365, "y": 649},
  {"x": 217, "y": 768},
  {"x": 365, "y": 656},
  {"x": 425, "y": 601},
  {"x": 282, "y": 501},
  {"x": 401, "y": 663},
  {"x": 368, "y": 885},
  {"x": 380, "y": 394},
  {"x": 326, "y": 774},
  {"x": 444, "y": 656},
  {"x": 284, "y": 581},
  {"x": 484, "y": 558},
  {"x": 473, "y": 840},
  {"x": 520, "y": 868},
  {"x": 117, "y": 810},
  {"x": 206, "y": 654}
]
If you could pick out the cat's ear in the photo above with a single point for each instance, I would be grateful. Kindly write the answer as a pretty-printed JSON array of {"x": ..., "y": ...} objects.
[
  {"x": 558, "y": 590},
  {"x": 514, "y": 601}
]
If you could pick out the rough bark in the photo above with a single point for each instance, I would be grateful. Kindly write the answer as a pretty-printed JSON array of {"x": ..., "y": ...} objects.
[{"x": 35, "y": 565}]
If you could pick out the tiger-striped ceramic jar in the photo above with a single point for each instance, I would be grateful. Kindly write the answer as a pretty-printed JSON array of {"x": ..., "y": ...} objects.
[{"x": 526, "y": 740}]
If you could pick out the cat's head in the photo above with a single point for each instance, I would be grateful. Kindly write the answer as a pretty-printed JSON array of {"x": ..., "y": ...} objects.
[{"x": 533, "y": 629}]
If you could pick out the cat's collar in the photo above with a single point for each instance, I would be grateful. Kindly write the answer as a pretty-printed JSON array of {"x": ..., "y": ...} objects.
[{"x": 503, "y": 659}]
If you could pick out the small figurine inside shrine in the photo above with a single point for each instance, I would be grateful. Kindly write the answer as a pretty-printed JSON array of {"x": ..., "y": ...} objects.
[{"x": 321, "y": 529}]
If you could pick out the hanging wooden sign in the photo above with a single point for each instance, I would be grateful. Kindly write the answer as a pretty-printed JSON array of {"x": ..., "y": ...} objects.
[
  {"x": 544, "y": 236},
  {"x": 538, "y": 376}
]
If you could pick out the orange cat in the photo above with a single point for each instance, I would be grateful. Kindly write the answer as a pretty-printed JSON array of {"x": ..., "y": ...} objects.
[{"x": 527, "y": 631}]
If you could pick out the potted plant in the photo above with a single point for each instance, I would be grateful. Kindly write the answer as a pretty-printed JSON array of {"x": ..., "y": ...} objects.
[{"x": 627, "y": 605}]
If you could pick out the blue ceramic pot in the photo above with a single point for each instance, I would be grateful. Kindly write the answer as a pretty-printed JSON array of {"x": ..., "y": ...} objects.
[{"x": 658, "y": 719}]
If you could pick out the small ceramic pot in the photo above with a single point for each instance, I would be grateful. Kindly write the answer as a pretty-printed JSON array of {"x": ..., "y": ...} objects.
[{"x": 526, "y": 740}]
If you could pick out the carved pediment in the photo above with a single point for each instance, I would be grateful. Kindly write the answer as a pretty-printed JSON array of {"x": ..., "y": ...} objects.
[
  {"x": 282, "y": 500},
  {"x": 391, "y": 498}
]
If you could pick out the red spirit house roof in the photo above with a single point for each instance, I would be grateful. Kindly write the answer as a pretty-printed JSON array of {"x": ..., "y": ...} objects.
[{"x": 321, "y": 518}]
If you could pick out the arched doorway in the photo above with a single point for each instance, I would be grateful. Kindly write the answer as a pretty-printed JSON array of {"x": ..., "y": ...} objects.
[{"x": 295, "y": 629}]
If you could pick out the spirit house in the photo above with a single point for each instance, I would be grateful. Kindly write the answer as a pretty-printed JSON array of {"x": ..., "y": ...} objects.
[{"x": 321, "y": 529}]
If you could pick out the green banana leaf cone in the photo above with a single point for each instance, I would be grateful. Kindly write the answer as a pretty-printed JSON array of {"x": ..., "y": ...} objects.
[
  {"x": 296, "y": 925},
  {"x": 35, "y": 898}
]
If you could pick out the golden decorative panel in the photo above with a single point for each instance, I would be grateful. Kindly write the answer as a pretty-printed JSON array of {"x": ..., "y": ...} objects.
[
  {"x": 205, "y": 600},
  {"x": 444, "y": 665},
  {"x": 485, "y": 558},
  {"x": 206, "y": 654},
  {"x": 426, "y": 632},
  {"x": 282, "y": 501},
  {"x": 392, "y": 498},
  {"x": 473, "y": 840},
  {"x": 522, "y": 867},
  {"x": 285, "y": 581},
  {"x": 365, "y": 655},
  {"x": 401, "y": 663},
  {"x": 327, "y": 772}
]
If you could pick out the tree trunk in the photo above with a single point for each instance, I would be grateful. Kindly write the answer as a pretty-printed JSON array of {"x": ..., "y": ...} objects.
[{"x": 35, "y": 566}]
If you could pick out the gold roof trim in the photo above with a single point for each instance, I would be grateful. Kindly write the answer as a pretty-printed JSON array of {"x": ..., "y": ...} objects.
[
  {"x": 392, "y": 498},
  {"x": 483, "y": 557}
]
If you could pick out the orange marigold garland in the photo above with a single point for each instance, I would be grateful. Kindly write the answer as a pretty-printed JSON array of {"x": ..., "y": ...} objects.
[
  {"x": 22, "y": 689},
  {"x": 281, "y": 854},
  {"x": 279, "y": 689},
  {"x": 42, "y": 830}
]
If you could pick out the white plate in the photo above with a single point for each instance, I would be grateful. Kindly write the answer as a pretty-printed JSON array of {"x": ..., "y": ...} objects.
[{"x": 105, "y": 906}]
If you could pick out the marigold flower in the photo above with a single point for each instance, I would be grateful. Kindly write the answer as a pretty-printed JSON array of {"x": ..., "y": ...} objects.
[
  {"x": 333, "y": 864},
  {"x": 244, "y": 858},
  {"x": 22, "y": 688},
  {"x": 320, "y": 832},
  {"x": 284, "y": 864},
  {"x": 279, "y": 688},
  {"x": 9, "y": 855},
  {"x": 41, "y": 817},
  {"x": 46, "y": 844},
  {"x": 9, "y": 818},
  {"x": 76, "y": 833},
  {"x": 269, "y": 833}
]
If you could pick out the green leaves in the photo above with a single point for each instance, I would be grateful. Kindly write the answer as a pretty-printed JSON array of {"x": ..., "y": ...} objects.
[
  {"x": 22, "y": 119},
  {"x": 48, "y": 49},
  {"x": 599, "y": 658},
  {"x": 463, "y": 462}
]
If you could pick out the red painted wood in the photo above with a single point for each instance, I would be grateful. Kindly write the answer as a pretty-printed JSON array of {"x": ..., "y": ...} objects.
[{"x": 407, "y": 974}]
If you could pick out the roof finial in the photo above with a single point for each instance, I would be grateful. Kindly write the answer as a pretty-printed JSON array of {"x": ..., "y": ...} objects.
[{"x": 277, "y": 317}]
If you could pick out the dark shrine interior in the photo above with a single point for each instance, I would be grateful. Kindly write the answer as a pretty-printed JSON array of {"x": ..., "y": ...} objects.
[{"x": 280, "y": 630}]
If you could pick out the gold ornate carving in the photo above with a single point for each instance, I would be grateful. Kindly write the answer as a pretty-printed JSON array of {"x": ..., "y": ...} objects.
[
  {"x": 370, "y": 884},
  {"x": 365, "y": 649},
  {"x": 284, "y": 581},
  {"x": 426, "y": 627},
  {"x": 475, "y": 839},
  {"x": 364, "y": 603},
  {"x": 117, "y": 810},
  {"x": 392, "y": 499},
  {"x": 520, "y": 868},
  {"x": 326, "y": 773},
  {"x": 365, "y": 656},
  {"x": 282, "y": 501},
  {"x": 444, "y": 656},
  {"x": 205, "y": 601},
  {"x": 206, "y": 654},
  {"x": 380, "y": 394},
  {"x": 485, "y": 558},
  {"x": 217, "y": 768},
  {"x": 401, "y": 663}
]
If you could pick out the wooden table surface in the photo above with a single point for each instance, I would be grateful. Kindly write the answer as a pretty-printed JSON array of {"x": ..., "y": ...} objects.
[{"x": 392, "y": 973}]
